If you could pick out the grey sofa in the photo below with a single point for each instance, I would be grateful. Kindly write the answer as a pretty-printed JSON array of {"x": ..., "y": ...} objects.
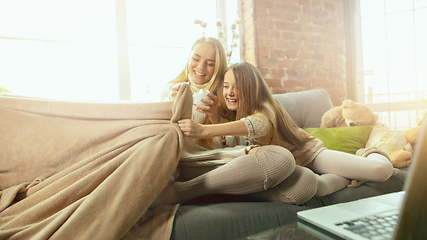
[{"x": 232, "y": 219}]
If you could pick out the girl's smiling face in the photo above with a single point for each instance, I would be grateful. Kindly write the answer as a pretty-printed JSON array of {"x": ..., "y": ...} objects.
[
  {"x": 201, "y": 65},
  {"x": 229, "y": 91}
]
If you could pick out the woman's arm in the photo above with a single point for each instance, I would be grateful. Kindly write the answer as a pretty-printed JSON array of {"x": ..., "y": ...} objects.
[{"x": 192, "y": 129}]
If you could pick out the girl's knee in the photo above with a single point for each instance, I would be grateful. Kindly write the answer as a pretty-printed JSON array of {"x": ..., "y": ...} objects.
[
  {"x": 382, "y": 171},
  {"x": 277, "y": 163}
]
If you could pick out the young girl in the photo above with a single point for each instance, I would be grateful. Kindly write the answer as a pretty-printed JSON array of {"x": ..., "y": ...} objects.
[
  {"x": 268, "y": 170},
  {"x": 248, "y": 103}
]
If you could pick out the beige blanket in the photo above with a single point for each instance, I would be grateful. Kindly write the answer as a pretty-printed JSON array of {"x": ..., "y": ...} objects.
[{"x": 72, "y": 170}]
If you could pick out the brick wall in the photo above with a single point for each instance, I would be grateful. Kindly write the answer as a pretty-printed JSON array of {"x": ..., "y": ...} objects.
[{"x": 297, "y": 44}]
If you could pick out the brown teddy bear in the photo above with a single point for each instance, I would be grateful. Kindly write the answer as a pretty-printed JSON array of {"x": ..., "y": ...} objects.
[
  {"x": 349, "y": 114},
  {"x": 398, "y": 145}
]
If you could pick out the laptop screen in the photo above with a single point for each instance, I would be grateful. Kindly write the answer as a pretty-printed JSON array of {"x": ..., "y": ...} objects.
[{"x": 412, "y": 223}]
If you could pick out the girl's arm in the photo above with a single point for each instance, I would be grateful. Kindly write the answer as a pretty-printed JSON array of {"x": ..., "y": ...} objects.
[{"x": 192, "y": 129}]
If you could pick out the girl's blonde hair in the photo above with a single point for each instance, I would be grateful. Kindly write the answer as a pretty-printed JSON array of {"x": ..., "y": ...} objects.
[
  {"x": 253, "y": 94},
  {"x": 220, "y": 64}
]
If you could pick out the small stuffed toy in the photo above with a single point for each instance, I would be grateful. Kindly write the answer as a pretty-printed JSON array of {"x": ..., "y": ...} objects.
[
  {"x": 412, "y": 134},
  {"x": 394, "y": 143},
  {"x": 397, "y": 144},
  {"x": 349, "y": 114}
]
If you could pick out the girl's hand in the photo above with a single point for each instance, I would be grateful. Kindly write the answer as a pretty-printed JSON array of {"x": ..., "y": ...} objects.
[
  {"x": 212, "y": 109},
  {"x": 191, "y": 129}
]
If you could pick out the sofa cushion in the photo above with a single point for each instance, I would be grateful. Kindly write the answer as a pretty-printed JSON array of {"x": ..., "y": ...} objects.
[
  {"x": 306, "y": 108},
  {"x": 230, "y": 221},
  {"x": 234, "y": 220},
  {"x": 344, "y": 139}
]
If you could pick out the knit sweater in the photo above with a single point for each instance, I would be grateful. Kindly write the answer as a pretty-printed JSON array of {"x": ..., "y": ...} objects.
[{"x": 261, "y": 132}]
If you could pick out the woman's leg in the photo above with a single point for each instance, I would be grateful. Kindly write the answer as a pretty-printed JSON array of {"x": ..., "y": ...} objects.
[
  {"x": 298, "y": 188},
  {"x": 264, "y": 169},
  {"x": 372, "y": 166}
]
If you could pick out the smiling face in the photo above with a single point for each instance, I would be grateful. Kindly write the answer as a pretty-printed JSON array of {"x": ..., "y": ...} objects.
[
  {"x": 229, "y": 91},
  {"x": 201, "y": 65}
]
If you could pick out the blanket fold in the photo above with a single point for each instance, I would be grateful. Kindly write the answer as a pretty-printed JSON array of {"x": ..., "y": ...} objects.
[{"x": 79, "y": 170}]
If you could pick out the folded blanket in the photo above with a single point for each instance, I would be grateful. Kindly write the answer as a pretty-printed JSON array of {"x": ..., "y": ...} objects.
[{"x": 78, "y": 170}]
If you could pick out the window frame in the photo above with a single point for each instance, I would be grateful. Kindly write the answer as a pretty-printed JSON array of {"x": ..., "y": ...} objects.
[{"x": 356, "y": 72}]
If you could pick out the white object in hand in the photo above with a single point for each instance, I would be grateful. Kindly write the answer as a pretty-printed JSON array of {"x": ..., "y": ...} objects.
[{"x": 197, "y": 96}]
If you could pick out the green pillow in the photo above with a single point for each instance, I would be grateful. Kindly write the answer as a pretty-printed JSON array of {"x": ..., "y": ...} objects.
[{"x": 344, "y": 139}]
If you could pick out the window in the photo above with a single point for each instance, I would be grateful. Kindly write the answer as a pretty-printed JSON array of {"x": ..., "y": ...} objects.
[
  {"x": 55, "y": 49},
  {"x": 394, "y": 69},
  {"x": 89, "y": 49}
]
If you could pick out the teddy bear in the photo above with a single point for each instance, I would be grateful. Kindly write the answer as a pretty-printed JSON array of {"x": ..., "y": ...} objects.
[
  {"x": 398, "y": 145},
  {"x": 349, "y": 114}
]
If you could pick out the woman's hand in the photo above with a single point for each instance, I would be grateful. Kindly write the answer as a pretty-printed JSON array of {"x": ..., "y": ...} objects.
[
  {"x": 191, "y": 129},
  {"x": 212, "y": 109},
  {"x": 175, "y": 90}
]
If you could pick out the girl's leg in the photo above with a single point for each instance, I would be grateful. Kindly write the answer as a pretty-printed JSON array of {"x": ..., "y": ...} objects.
[
  {"x": 264, "y": 169},
  {"x": 372, "y": 166},
  {"x": 329, "y": 183},
  {"x": 298, "y": 188}
]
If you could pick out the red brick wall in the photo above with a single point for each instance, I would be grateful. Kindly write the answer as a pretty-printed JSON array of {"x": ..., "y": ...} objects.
[{"x": 297, "y": 44}]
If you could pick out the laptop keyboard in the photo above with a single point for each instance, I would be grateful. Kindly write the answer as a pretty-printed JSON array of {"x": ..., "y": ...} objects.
[{"x": 374, "y": 227}]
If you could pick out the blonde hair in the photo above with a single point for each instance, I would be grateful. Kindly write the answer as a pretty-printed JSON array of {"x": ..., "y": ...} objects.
[
  {"x": 220, "y": 64},
  {"x": 253, "y": 93}
]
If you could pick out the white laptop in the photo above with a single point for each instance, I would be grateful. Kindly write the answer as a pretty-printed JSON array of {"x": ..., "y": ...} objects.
[{"x": 401, "y": 215}]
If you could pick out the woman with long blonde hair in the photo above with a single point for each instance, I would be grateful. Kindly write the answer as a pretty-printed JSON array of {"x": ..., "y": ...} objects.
[{"x": 204, "y": 69}]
